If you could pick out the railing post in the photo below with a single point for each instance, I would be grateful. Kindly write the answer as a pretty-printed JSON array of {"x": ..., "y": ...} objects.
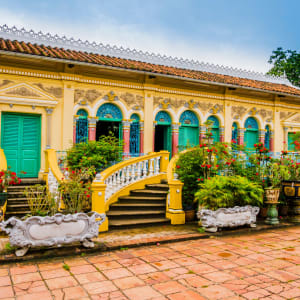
[
  {"x": 98, "y": 200},
  {"x": 164, "y": 161},
  {"x": 174, "y": 205}
]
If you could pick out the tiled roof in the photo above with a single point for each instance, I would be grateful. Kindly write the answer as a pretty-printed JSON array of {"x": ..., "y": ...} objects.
[{"x": 102, "y": 60}]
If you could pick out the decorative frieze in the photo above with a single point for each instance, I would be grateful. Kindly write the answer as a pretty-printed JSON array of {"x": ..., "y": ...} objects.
[
  {"x": 53, "y": 90},
  {"x": 88, "y": 95}
]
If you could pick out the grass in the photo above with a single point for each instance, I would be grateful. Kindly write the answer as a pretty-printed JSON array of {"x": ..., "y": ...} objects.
[{"x": 66, "y": 267}]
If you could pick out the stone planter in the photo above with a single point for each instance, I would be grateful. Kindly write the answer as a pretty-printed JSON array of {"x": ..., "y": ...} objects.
[
  {"x": 51, "y": 231},
  {"x": 228, "y": 217},
  {"x": 291, "y": 190},
  {"x": 272, "y": 194}
]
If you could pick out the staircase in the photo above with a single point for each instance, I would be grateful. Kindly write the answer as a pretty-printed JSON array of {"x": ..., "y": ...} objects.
[
  {"x": 17, "y": 205},
  {"x": 145, "y": 207}
]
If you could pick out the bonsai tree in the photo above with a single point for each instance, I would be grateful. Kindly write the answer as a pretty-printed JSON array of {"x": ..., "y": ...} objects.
[{"x": 228, "y": 191}]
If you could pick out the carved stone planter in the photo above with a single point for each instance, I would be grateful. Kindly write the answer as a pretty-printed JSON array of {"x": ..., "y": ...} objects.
[
  {"x": 228, "y": 217},
  {"x": 51, "y": 231}
]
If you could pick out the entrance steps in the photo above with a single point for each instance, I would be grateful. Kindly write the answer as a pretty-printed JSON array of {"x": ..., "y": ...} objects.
[
  {"x": 144, "y": 207},
  {"x": 17, "y": 205}
]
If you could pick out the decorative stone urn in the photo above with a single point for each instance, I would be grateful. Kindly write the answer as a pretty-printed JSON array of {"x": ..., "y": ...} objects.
[
  {"x": 272, "y": 195},
  {"x": 228, "y": 217},
  {"x": 51, "y": 231}
]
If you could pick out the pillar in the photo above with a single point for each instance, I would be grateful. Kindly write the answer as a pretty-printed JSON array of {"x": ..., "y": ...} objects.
[
  {"x": 227, "y": 122},
  {"x": 153, "y": 135},
  {"x": 92, "y": 128},
  {"x": 49, "y": 124},
  {"x": 271, "y": 141},
  {"x": 175, "y": 132},
  {"x": 285, "y": 138},
  {"x": 67, "y": 122},
  {"x": 148, "y": 123},
  {"x": 141, "y": 137},
  {"x": 277, "y": 129},
  {"x": 222, "y": 138},
  {"x": 202, "y": 135},
  {"x": 126, "y": 137},
  {"x": 241, "y": 132},
  {"x": 261, "y": 137},
  {"x": 75, "y": 118}
]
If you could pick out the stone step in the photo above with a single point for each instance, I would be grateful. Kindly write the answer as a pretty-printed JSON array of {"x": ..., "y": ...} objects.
[
  {"x": 120, "y": 213},
  {"x": 30, "y": 181},
  {"x": 141, "y": 199},
  {"x": 158, "y": 186},
  {"x": 16, "y": 213},
  {"x": 137, "y": 205},
  {"x": 148, "y": 192},
  {"x": 137, "y": 222}
]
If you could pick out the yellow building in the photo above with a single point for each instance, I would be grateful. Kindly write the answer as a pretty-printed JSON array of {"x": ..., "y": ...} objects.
[{"x": 55, "y": 92}]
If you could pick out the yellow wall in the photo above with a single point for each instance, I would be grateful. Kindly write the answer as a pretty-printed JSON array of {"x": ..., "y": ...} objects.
[{"x": 33, "y": 91}]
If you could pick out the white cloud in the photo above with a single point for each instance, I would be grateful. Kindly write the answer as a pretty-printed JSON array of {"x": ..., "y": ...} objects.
[{"x": 106, "y": 30}]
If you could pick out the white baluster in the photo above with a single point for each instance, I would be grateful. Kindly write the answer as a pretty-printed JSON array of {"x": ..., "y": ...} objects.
[
  {"x": 123, "y": 177},
  {"x": 151, "y": 169},
  {"x": 145, "y": 171},
  {"x": 127, "y": 175},
  {"x": 118, "y": 180},
  {"x": 156, "y": 170},
  {"x": 139, "y": 170}
]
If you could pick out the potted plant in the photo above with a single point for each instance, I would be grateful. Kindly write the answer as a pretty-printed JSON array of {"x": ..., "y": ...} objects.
[
  {"x": 52, "y": 224},
  {"x": 228, "y": 201},
  {"x": 7, "y": 178}
]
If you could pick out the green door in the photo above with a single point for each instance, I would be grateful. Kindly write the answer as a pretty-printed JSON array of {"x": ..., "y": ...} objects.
[
  {"x": 21, "y": 141},
  {"x": 251, "y": 138},
  {"x": 291, "y": 144},
  {"x": 188, "y": 136}
]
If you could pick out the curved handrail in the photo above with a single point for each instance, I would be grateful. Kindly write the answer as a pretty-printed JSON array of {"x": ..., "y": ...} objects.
[
  {"x": 3, "y": 161},
  {"x": 51, "y": 163}
]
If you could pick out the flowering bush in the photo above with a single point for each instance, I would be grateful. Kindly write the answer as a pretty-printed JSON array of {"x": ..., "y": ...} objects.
[{"x": 7, "y": 177}]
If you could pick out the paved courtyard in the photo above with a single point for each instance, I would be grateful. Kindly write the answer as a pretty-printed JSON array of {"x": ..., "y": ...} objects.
[{"x": 257, "y": 266}]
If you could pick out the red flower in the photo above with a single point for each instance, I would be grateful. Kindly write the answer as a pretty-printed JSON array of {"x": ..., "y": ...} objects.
[
  {"x": 208, "y": 166},
  {"x": 255, "y": 145},
  {"x": 201, "y": 179},
  {"x": 198, "y": 179},
  {"x": 256, "y": 174},
  {"x": 208, "y": 177},
  {"x": 203, "y": 165},
  {"x": 88, "y": 196},
  {"x": 217, "y": 166},
  {"x": 178, "y": 167}
]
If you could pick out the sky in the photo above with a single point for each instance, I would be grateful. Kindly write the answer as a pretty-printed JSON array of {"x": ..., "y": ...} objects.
[{"x": 236, "y": 33}]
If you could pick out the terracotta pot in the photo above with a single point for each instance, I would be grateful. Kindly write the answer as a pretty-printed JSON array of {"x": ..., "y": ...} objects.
[
  {"x": 263, "y": 212},
  {"x": 190, "y": 215},
  {"x": 283, "y": 210}
]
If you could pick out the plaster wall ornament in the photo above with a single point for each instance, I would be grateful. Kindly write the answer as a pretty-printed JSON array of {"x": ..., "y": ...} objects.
[
  {"x": 157, "y": 99},
  {"x": 89, "y": 95},
  {"x": 5, "y": 82},
  {"x": 228, "y": 217},
  {"x": 114, "y": 51},
  {"x": 111, "y": 96},
  {"x": 165, "y": 104},
  {"x": 51, "y": 231},
  {"x": 132, "y": 100},
  {"x": 55, "y": 91},
  {"x": 136, "y": 107},
  {"x": 217, "y": 108},
  {"x": 23, "y": 91},
  {"x": 253, "y": 111},
  {"x": 205, "y": 106},
  {"x": 238, "y": 111}
]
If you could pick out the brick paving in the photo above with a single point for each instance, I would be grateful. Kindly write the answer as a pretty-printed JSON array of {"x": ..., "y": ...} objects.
[{"x": 263, "y": 265}]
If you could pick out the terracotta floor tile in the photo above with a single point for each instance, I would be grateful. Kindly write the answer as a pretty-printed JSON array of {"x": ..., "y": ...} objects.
[
  {"x": 55, "y": 273},
  {"x": 30, "y": 287},
  {"x": 128, "y": 282},
  {"x": 23, "y": 269},
  {"x": 141, "y": 293},
  {"x": 116, "y": 273},
  {"x": 130, "y": 262},
  {"x": 186, "y": 295},
  {"x": 5, "y": 280},
  {"x": 195, "y": 281},
  {"x": 36, "y": 296},
  {"x": 219, "y": 276},
  {"x": 186, "y": 261},
  {"x": 202, "y": 268},
  {"x": 6, "y": 292},
  {"x": 215, "y": 292},
  {"x": 61, "y": 282},
  {"x": 89, "y": 277},
  {"x": 165, "y": 264},
  {"x": 75, "y": 292},
  {"x": 142, "y": 269},
  {"x": 77, "y": 261},
  {"x": 3, "y": 272},
  {"x": 99, "y": 287},
  {"x": 107, "y": 265},
  {"x": 282, "y": 275},
  {"x": 169, "y": 287},
  {"x": 26, "y": 277},
  {"x": 82, "y": 269},
  {"x": 50, "y": 266}
]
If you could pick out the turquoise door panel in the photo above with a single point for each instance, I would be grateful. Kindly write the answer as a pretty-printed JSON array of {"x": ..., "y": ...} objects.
[
  {"x": 291, "y": 145},
  {"x": 188, "y": 136},
  {"x": 21, "y": 143},
  {"x": 251, "y": 138},
  {"x": 215, "y": 135}
]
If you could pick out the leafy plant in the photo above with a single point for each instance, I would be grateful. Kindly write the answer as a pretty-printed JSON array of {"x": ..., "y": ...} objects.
[
  {"x": 278, "y": 173},
  {"x": 40, "y": 201},
  {"x": 229, "y": 191},
  {"x": 98, "y": 154}
]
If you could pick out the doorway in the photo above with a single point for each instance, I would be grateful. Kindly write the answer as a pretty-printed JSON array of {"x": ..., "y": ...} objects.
[
  {"x": 107, "y": 127},
  {"x": 162, "y": 138}
]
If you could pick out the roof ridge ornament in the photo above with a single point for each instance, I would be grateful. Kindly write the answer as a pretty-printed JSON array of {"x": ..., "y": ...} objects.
[{"x": 126, "y": 53}]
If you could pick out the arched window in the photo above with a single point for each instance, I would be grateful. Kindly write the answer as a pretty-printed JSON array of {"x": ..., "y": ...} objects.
[
  {"x": 267, "y": 137},
  {"x": 134, "y": 135},
  {"x": 81, "y": 126},
  {"x": 251, "y": 134},
  {"x": 162, "y": 117},
  {"x": 215, "y": 128},
  {"x": 234, "y": 134},
  {"x": 109, "y": 111},
  {"x": 189, "y": 130}
]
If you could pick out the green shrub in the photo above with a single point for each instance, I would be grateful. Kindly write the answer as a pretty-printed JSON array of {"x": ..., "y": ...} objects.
[
  {"x": 229, "y": 191},
  {"x": 99, "y": 154}
]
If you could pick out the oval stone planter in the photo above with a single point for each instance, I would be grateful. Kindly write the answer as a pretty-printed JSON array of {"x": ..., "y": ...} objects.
[
  {"x": 51, "y": 231},
  {"x": 228, "y": 217}
]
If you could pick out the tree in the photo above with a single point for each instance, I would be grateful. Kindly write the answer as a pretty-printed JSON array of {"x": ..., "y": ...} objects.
[{"x": 286, "y": 63}]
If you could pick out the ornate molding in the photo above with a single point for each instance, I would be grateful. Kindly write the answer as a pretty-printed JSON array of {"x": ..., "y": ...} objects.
[
  {"x": 114, "y": 51},
  {"x": 22, "y": 91},
  {"x": 88, "y": 95}
]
